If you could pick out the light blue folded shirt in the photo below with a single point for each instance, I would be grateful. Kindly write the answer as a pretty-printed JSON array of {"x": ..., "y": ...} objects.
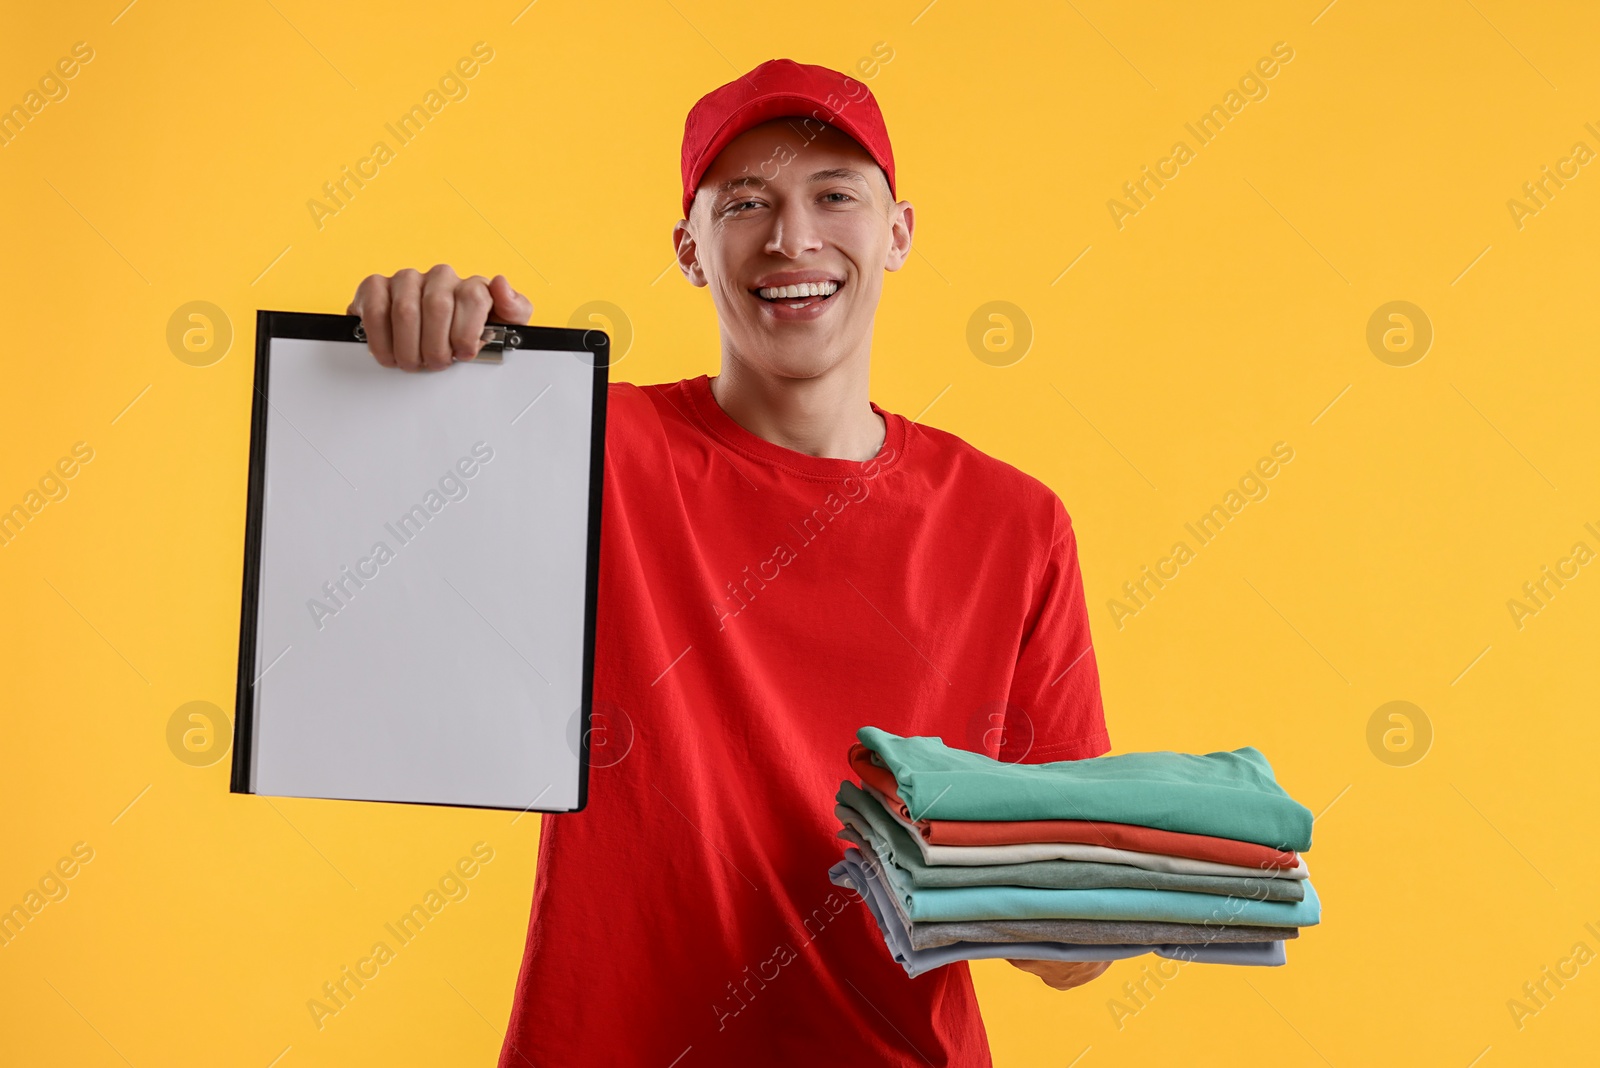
[{"x": 1224, "y": 794}]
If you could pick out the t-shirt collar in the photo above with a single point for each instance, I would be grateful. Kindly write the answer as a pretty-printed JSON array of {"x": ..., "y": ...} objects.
[{"x": 722, "y": 426}]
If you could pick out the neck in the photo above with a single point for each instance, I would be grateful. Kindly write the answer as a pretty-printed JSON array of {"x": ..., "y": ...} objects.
[{"x": 825, "y": 416}]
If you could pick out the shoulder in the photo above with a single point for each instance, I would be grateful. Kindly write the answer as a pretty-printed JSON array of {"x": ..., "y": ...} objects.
[
  {"x": 626, "y": 394},
  {"x": 632, "y": 409},
  {"x": 653, "y": 396},
  {"x": 647, "y": 424},
  {"x": 1010, "y": 496}
]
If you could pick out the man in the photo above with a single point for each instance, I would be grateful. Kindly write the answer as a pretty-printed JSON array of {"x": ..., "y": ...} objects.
[{"x": 782, "y": 561}]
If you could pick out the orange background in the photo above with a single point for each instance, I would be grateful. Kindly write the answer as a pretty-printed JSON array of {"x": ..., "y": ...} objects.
[{"x": 1164, "y": 358}]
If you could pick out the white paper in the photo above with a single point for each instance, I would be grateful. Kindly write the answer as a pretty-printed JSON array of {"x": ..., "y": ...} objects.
[{"x": 452, "y": 672}]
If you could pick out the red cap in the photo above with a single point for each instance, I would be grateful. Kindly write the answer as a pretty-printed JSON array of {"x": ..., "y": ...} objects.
[{"x": 777, "y": 89}]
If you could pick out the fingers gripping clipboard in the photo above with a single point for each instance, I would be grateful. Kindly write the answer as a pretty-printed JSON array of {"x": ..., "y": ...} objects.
[{"x": 420, "y": 570}]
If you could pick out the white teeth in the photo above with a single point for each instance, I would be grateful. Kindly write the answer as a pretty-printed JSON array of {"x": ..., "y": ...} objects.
[{"x": 803, "y": 289}]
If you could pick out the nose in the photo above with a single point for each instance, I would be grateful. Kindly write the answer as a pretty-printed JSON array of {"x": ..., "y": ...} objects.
[{"x": 794, "y": 230}]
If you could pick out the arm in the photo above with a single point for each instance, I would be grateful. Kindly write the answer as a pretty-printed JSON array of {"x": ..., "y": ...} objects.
[
  {"x": 1056, "y": 691},
  {"x": 1054, "y": 709}
]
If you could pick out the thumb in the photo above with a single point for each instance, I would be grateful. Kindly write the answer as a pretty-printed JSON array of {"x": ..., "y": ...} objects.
[{"x": 509, "y": 305}]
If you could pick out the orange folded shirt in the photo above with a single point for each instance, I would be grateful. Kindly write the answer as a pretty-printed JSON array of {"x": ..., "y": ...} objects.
[{"x": 1081, "y": 832}]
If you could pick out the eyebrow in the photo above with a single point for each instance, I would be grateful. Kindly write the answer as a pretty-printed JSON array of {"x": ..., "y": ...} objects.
[{"x": 752, "y": 181}]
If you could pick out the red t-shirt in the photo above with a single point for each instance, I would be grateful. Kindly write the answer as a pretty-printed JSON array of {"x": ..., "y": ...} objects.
[{"x": 756, "y": 606}]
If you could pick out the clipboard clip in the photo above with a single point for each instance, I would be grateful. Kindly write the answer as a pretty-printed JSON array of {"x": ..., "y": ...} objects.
[{"x": 497, "y": 341}]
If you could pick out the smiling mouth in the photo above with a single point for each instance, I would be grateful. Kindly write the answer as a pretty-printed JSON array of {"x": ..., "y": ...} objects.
[{"x": 800, "y": 295}]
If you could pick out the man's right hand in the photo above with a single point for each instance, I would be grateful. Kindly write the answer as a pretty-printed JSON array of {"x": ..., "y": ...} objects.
[{"x": 418, "y": 321}]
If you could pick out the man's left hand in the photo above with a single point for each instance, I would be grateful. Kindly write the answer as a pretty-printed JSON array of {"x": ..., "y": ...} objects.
[{"x": 1063, "y": 974}]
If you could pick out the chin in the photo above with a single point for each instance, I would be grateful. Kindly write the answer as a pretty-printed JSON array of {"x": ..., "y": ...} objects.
[{"x": 809, "y": 362}]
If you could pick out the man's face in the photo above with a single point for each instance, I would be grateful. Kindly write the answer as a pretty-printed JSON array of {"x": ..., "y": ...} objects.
[{"x": 776, "y": 209}]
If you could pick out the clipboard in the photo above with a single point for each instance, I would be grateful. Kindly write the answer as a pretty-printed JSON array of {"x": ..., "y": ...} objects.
[{"x": 421, "y": 563}]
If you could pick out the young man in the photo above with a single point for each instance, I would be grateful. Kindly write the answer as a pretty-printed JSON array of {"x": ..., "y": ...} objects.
[{"x": 782, "y": 561}]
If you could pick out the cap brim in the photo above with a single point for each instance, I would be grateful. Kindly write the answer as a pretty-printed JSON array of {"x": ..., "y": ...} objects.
[{"x": 762, "y": 109}]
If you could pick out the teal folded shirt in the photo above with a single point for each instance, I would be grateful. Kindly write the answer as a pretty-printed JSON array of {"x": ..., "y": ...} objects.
[
  {"x": 1171, "y": 906},
  {"x": 1228, "y": 795}
]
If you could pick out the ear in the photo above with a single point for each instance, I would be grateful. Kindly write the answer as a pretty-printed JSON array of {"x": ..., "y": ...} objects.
[
  {"x": 688, "y": 253},
  {"x": 902, "y": 222}
]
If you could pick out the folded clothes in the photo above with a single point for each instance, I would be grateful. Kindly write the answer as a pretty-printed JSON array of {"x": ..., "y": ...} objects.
[
  {"x": 928, "y": 934},
  {"x": 1084, "y": 832},
  {"x": 1035, "y": 851},
  {"x": 1032, "y": 903},
  {"x": 936, "y": 934},
  {"x": 859, "y": 810},
  {"x": 1055, "y": 874},
  {"x": 1224, "y": 794},
  {"x": 899, "y": 886},
  {"x": 851, "y": 873}
]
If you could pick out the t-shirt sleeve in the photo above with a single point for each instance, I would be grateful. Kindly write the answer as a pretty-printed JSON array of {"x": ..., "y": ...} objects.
[{"x": 1055, "y": 710}]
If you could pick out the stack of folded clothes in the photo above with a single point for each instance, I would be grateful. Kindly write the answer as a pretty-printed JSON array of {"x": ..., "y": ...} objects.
[{"x": 959, "y": 856}]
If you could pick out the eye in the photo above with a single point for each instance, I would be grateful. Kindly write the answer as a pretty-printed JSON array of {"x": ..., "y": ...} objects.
[
  {"x": 739, "y": 205},
  {"x": 846, "y": 196}
]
